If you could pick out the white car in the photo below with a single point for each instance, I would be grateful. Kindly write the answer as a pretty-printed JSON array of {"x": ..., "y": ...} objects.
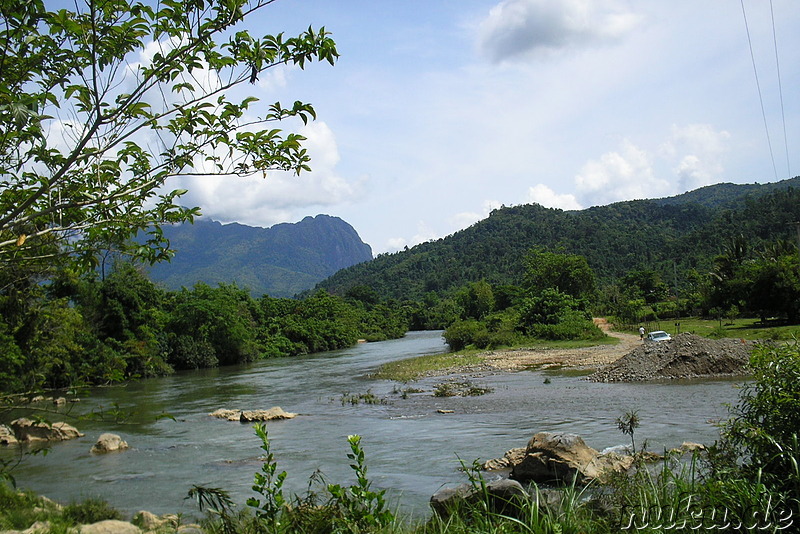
[{"x": 658, "y": 335}]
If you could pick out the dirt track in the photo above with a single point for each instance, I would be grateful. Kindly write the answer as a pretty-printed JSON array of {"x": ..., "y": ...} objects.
[{"x": 587, "y": 357}]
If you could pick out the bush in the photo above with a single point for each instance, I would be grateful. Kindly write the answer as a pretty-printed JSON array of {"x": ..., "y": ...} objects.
[
  {"x": 571, "y": 325},
  {"x": 90, "y": 511},
  {"x": 463, "y": 333},
  {"x": 763, "y": 429}
]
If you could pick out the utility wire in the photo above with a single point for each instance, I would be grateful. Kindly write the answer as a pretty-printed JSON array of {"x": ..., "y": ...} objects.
[
  {"x": 758, "y": 85},
  {"x": 780, "y": 89}
]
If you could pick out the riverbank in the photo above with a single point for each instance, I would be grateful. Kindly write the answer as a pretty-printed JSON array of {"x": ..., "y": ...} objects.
[{"x": 587, "y": 357}]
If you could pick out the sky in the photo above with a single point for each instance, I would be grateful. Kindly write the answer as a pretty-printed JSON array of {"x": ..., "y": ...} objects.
[{"x": 439, "y": 111}]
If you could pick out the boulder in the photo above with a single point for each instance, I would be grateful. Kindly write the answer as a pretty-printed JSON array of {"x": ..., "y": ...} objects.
[
  {"x": 110, "y": 526},
  {"x": 509, "y": 460},
  {"x": 504, "y": 497},
  {"x": 224, "y": 413},
  {"x": 275, "y": 413},
  {"x": 109, "y": 443},
  {"x": 7, "y": 436},
  {"x": 28, "y": 431},
  {"x": 250, "y": 416},
  {"x": 561, "y": 458},
  {"x": 553, "y": 458},
  {"x": 190, "y": 529}
]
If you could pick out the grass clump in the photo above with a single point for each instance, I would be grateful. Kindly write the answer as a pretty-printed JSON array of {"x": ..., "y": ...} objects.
[
  {"x": 92, "y": 510},
  {"x": 459, "y": 389},
  {"x": 415, "y": 368},
  {"x": 358, "y": 398},
  {"x": 19, "y": 510}
]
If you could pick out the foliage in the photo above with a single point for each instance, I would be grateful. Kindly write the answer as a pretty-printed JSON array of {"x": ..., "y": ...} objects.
[
  {"x": 463, "y": 333},
  {"x": 676, "y": 238},
  {"x": 90, "y": 511},
  {"x": 85, "y": 330},
  {"x": 763, "y": 429},
  {"x": 567, "y": 274},
  {"x": 269, "y": 484},
  {"x": 359, "y": 508},
  {"x": 414, "y": 368},
  {"x": 627, "y": 424},
  {"x": 77, "y": 104}
]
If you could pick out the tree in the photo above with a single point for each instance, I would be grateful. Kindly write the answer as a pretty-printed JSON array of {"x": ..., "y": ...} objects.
[
  {"x": 90, "y": 133},
  {"x": 568, "y": 273}
]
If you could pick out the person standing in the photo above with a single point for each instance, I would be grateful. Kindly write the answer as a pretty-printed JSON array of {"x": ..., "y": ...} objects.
[{"x": 641, "y": 333}]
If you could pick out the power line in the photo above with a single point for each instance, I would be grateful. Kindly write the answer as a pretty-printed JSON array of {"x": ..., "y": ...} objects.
[
  {"x": 758, "y": 85},
  {"x": 780, "y": 88}
]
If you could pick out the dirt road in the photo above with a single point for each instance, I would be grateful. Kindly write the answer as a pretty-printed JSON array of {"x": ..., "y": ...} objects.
[{"x": 587, "y": 357}]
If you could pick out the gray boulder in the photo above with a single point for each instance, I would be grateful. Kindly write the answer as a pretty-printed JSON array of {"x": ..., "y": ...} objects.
[
  {"x": 503, "y": 496},
  {"x": 110, "y": 526},
  {"x": 7, "y": 436},
  {"x": 560, "y": 458},
  {"x": 109, "y": 443},
  {"x": 250, "y": 416},
  {"x": 28, "y": 431}
]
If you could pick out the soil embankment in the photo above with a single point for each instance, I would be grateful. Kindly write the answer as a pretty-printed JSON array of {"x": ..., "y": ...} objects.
[{"x": 684, "y": 356}]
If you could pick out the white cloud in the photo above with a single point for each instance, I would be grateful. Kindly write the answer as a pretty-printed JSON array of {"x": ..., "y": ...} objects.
[
  {"x": 424, "y": 234},
  {"x": 624, "y": 175},
  {"x": 541, "y": 194},
  {"x": 520, "y": 28},
  {"x": 264, "y": 201},
  {"x": 276, "y": 77},
  {"x": 697, "y": 153},
  {"x": 467, "y": 218}
]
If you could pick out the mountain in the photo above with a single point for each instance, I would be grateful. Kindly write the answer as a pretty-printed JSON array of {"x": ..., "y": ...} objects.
[
  {"x": 280, "y": 261},
  {"x": 676, "y": 237}
]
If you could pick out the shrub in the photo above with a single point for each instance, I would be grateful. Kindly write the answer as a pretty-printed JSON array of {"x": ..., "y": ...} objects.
[
  {"x": 763, "y": 429},
  {"x": 90, "y": 511},
  {"x": 463, "y": 333}
]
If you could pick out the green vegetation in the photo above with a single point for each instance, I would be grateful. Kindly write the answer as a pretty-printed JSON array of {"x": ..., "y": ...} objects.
[
  {"x": 741, "y": 328},
  {"x": 65, "y": 198},
  {"x": 675, "y": 238},
  {"x": 412, "y": 369},
  {"x": 459, "y": 388},
  {"x": 86, "y": 330}
]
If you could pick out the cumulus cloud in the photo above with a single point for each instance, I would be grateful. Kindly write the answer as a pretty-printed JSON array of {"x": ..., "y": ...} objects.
[
  {"x": 467, "y": 218},
  {"x": 424, "y": 233},
  {"x": 520, "y": 28},
  {"x": 696, "y": 152},
  {"x": 264, "y": 201},
  {"x": 623, "y": 175},
  {"x": 541, "y": 194}
]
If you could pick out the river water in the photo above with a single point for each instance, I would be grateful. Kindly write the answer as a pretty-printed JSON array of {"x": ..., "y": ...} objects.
[{"x": 411, "y": 448}]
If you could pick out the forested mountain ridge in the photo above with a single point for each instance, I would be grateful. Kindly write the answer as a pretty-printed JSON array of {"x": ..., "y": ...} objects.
[
  {"x": 279, "y": 261},
  {"x": 675, "y": 237}
]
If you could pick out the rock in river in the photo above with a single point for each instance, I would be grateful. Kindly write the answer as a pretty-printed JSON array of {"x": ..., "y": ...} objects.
[
  {"x": 109, "y": 443},
  {"x": 249, "y": 416},
  {"x": 552, "y": 457},
  {"x": 28, "y": 431}
]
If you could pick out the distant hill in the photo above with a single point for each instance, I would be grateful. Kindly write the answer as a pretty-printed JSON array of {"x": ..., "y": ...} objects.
[
  {"x": 280, "y": 261},
  {"x": 674, "y": 236}
]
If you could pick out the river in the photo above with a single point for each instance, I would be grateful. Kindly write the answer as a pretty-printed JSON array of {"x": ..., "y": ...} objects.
[{"x": 411, "y": 448}]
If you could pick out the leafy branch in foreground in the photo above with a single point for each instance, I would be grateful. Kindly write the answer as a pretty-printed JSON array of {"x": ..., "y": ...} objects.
[{"x": 101, "y": 105}]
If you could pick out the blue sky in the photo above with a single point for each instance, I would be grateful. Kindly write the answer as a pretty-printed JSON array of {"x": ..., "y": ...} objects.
[{"x": 439, "y": 111}]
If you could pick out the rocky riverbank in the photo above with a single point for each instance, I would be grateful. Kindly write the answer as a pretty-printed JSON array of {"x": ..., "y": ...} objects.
[{"x": 684, "y": 356}]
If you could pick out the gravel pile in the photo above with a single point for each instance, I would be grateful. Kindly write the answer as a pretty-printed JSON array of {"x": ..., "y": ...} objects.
[{"x": 685, "y": 356}]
